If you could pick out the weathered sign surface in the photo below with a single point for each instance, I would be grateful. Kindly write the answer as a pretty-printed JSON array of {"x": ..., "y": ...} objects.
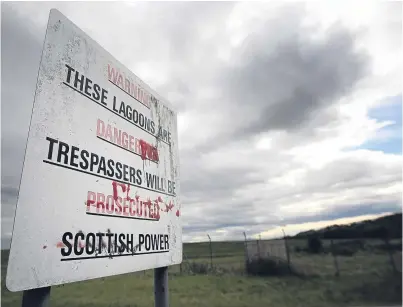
[{"x": 99, "y": 193}]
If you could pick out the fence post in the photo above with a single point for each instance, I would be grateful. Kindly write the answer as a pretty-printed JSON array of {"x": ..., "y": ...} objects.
[
  {"x": 392, "y": 261},
  {"x": 258, "y": 247},
  {"x": 211, "y": 252},
  {"x": 336, "y": 263},
  {"x": 287, "y": 250},
  {"x": 246, "y": 248}
]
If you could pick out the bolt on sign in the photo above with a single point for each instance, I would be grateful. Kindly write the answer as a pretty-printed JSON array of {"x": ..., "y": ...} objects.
[{"x": 99, "y": 192}]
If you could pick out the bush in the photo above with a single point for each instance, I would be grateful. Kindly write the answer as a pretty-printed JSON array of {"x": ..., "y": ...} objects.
[
  {"x": 315, "y": 245},
  {"x": 344, "y": 251},
  {"x": 268, "y": 267},
  {"x": 198, "y": 268},
  {"x": 298, "y": 249}
]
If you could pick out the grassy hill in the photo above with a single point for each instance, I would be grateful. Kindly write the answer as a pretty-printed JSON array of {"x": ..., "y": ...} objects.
[{"x": 389, "y": 226}]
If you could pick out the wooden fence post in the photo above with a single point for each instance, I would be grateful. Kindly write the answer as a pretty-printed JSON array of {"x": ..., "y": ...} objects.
[
  {"x": 336, "y": 263},
  {"x": 211, "y": 252},
  {"x": 390, "y": 252}
]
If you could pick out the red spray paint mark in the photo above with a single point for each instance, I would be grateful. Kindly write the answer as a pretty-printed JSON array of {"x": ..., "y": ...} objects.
[
  {"x": 169, "y": 206},
  {"x": 127, "y": 193},
  {"x": 148, "y": 151},
  {"x": 124, "y": 189},
  {"x": 60, "y": 245},
  {"x": 177, "y": 213},
  {"x": 115, "y": 189}
]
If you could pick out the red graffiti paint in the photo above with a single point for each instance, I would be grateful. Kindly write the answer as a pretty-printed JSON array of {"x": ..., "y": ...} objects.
[
  {"x": 169, "y": 206},
  {"x": 60, "y": 245},
  {"x": 127, "y": 193},
  {"x": 148, "y": 152},
  {"x": 143, "y": 148},
  {"x": 177, "y": 213},
  {"x": 115, "y": 189}
]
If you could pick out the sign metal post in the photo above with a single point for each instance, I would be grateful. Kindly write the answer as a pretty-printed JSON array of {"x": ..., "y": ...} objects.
[
  {"x": 38, "y": 297},
  {"x": 161, "y": 287}
]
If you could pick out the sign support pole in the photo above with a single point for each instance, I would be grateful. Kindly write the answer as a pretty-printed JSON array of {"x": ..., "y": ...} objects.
[
  {"x": 161, "y": 287},
  {"x": 38, "y": 297}
]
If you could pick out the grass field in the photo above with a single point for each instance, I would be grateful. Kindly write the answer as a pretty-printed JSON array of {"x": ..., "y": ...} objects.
[{"x": 366, "y": 278}]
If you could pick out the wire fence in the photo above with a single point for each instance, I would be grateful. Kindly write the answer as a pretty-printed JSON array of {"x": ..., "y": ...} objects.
[{"x": 335, "y": 257}]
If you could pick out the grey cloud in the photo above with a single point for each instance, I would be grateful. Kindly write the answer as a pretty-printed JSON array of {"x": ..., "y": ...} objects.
[
  {"x": 279, "y": 79},
  {"x": 285, "y": 89},
  {"x": 20, "y": 56}
]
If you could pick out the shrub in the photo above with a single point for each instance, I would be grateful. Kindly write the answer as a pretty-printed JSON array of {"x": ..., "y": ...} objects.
[
  {"x": 315, "y": 245},
  {"x": 298, "y": 249},
  {"x": 198, "y": 268},
  {"x": 268, "y": 267},
  {"x": 344, "y": 251}
]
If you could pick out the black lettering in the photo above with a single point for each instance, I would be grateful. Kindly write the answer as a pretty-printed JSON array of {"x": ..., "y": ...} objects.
[
  {"x": 66, "y": 251},
  {"x": 122, "y": 243},
  {"x": 161, "y": 247},
  {"x": 74, "y": 156},
  {"x": 152, "y": 127},
  {"x": 114, "y": 105},
  {"x": 109, "y": 235},
  {"x": 139, "y": 177},
  {"x": 69, "y": 70},
  {"x": 78, "y": 250},
  {"x": 104, "y": 97},
  {"x": 135, "y": 116},
  {"x": 88, "y": 83},
  {"x": 129, "y": 112},
  {"x": 102, "y": 166},
  {"x": 166, "y": 242},
  {"x": 150, "y": 180},
  {"x": 100, "y": 240},
  {"x": 132, "y": 175},
  {"x": 148, "y": 123},
  {"x": 79, "y": 80},
  {"x": 51, "y": 143},
  {"x": 141, "y": 241},
  {"x": 94, "y": 161},
  {"x": 154, "y": 242},
  {"x": 90, "y": 243},
  {"x": 118, "y": 170},
  {"x": 63, "y": 150},
  {"x": 84, "y": 156},
  {"x": 122, "y": 109},
  {"x": 141, "y": 120},
  {"x": 147, "y": 242},
  {"x": 95, "y": 94},
  {"x": 111, "y": 170},
  {"x": 129, "y": 243},
  {"x": 173, "y": 187},
  {"x": 125, "y": 172}
]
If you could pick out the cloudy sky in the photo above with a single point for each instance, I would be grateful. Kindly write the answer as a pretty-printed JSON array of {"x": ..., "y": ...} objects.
[{"x": 289, "y": 113}]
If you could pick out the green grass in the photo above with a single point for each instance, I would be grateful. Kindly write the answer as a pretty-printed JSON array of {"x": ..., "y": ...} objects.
[{"x": 366, "y": 279}]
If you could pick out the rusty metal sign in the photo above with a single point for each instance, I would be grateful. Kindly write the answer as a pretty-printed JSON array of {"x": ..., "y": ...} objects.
[{"x": 99, "y": 192}]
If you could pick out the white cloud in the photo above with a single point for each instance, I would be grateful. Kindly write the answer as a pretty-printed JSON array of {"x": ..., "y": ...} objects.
[{"x": 269, "y": 103}]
